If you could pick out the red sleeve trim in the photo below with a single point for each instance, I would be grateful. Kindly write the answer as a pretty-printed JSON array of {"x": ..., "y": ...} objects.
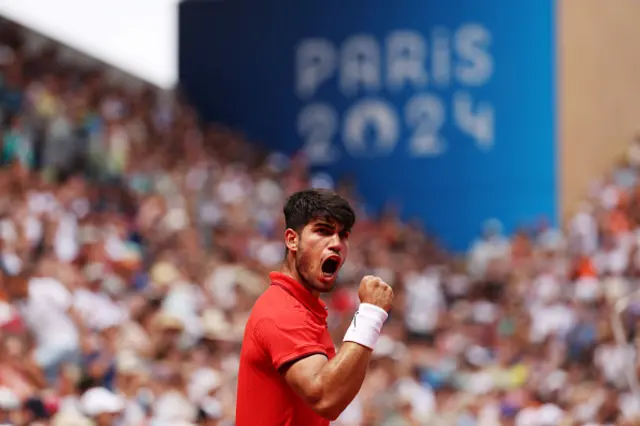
[{"x": 300, "y": 352}]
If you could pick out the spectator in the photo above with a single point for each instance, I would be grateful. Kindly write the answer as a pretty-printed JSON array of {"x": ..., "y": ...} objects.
[{"x": 133, "y": 243}]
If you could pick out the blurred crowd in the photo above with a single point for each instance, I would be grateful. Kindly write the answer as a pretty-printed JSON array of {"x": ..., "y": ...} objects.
[{"x": 134, "y": 240}]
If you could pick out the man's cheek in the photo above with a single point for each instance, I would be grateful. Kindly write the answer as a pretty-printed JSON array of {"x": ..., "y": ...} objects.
[{"x": 305, "y": 262}]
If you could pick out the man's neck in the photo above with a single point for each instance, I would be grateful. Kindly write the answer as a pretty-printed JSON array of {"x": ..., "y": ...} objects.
[{"x": 288, "y": 268}]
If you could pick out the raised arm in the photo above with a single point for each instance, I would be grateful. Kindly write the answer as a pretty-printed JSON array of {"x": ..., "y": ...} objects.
[{"x": 330, "y": 386}]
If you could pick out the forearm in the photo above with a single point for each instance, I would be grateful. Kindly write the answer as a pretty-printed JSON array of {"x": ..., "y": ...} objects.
[{"x": 340, "y": 380}]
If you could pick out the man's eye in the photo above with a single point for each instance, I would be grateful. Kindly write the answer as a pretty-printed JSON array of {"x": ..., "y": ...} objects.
[{"x": 325, "y": 231}]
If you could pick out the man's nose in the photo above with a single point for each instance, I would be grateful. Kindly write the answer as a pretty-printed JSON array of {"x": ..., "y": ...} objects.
[{"x": 336, "y": 244}]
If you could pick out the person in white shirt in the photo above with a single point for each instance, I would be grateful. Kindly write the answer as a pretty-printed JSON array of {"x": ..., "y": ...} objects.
[
  {"x": 583, "y": 231},
  {"x": 95, "y": 306},
  {"x": 44, "y": 304},
  {"x": 550, "y": 319},
  {"x": 492, "y": 246},
  {"x": 424, "y": 303}
]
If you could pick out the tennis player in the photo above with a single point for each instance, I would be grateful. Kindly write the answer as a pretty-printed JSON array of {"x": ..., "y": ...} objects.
[{"x": 290, "y": 373}]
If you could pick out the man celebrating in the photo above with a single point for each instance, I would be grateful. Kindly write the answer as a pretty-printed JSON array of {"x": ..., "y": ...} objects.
[{"x": 290, "y": 374}]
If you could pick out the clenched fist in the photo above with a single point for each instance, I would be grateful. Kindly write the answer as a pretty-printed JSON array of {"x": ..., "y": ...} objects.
[{"x": 376, "y": 292}]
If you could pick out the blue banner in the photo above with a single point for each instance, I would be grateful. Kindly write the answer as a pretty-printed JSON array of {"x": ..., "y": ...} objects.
[{"x": 445, "y": 108}]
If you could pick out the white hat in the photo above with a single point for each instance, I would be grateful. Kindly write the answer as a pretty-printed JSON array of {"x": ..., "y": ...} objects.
[
  {"x": 8, "y": 399},
  {"x": 549, "y": 415},
  {"x": 478, "y": 356},
  {"x": 216, "y": 327},
  {"x": 527, "y": 417},
  {"x": 97, "y": 401},
  {"x": 203, "y": 381},
  {"x": 128, "y": 362},
  {"x": 164, "y": 274},
  {"x": 70, "y": 418},
  {"x": 385, "y": 347},
  {"x": 167, "y": 321},
  {"x": 175, "y": 407},
  {"x": 212, "y": 408}
]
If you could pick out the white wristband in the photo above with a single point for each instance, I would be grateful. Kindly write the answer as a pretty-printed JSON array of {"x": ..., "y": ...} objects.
[{"x": 366, "y": 325}]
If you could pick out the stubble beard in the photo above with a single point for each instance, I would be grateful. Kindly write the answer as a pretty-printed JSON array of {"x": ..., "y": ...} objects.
[{"x": 303, "y": 267}]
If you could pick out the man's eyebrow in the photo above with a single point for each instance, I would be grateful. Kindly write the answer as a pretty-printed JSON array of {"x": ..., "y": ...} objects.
[
  {"x": 333, "y": 226},
  {"x": 325, "y": 224}
]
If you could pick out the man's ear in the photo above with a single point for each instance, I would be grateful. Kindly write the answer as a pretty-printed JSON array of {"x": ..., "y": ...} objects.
[{"x": 291, "y": 240}]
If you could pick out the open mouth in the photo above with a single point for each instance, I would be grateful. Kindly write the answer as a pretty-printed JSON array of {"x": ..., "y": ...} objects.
[{"x": 330, "y": 266}]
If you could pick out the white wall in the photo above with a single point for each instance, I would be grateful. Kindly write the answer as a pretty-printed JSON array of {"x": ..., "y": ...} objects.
[{"x": 137, "y": 36}]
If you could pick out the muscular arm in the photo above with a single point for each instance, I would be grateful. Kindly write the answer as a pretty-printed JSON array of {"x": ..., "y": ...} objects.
[
  {"x": 293, "y": 343},
  {"x": 329, "y": 386}
]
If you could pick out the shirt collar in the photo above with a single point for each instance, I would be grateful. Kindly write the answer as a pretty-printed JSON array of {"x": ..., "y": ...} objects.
[{"x": 299, "y": 292}]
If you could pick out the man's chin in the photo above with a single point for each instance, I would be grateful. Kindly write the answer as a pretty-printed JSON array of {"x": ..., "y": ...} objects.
[{"x": 325, "y": 285}]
